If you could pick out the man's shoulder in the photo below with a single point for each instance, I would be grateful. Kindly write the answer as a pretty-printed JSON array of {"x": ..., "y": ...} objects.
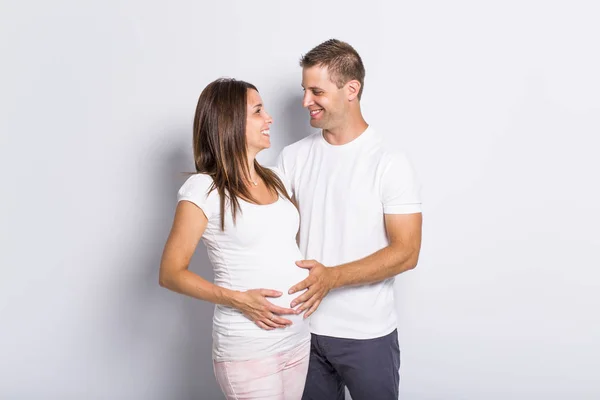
[
  {"x": 387, "y": 151},
  {"x": 301, "y": 145},
  {"x": 388, "y": 154},
  {"x": 384, "y": 156}
]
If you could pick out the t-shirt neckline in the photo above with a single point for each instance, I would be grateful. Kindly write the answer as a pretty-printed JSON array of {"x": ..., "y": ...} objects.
[{"x": 359, "y": 139}]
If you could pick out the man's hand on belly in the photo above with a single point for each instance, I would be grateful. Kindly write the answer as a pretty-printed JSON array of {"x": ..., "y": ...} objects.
[
  {"x": 255, "y": 306},
  {"x": 319, "y": 282}
]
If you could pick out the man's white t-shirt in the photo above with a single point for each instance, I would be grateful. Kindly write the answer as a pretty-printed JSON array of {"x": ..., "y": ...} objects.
[
  {"x": 343, "y": 193},
  {"x": 258, "y": 252}
]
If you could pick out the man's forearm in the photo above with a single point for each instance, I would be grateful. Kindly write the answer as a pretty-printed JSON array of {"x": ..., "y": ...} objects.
[{"x": 383, "y": 264}]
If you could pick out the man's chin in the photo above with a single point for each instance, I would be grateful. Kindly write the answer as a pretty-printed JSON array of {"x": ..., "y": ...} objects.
[{"x": 316, "y": 124}]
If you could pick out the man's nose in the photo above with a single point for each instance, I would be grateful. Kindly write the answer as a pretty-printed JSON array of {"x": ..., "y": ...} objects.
[{"x": 307, "y": 100}]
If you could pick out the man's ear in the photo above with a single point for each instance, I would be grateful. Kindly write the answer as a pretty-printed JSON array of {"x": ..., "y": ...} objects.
[{"x": 353, "y": 89}]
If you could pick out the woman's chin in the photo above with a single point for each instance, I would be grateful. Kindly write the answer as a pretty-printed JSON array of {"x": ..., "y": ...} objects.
[{"x": 260, "y": 148}]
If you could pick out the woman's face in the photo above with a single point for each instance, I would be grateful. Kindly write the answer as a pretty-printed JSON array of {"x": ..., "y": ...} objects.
[{"x": 257, "y": 123}]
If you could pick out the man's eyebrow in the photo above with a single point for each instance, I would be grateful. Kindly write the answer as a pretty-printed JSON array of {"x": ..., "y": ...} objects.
[{"x": 313, "y": 88}]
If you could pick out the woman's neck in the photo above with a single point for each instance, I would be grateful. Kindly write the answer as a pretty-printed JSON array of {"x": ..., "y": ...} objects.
[{"x": 251, "y": 170}]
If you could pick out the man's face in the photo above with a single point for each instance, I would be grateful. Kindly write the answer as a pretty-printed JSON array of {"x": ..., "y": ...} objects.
[{"x": 324, "y": 101}]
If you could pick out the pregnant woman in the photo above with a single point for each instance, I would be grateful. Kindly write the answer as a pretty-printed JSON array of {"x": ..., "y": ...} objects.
[{"x": 244, "y": 215}]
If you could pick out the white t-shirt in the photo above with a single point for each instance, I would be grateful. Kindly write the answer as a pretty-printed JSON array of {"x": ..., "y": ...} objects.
[
  {"x": 343, "y": 193},
  {"x": 258, "y": 252}
]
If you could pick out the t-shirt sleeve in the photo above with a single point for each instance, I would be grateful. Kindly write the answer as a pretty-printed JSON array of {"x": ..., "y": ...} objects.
[
  {"x": 400, "y": 188},
  {"x": 284, "y": 171},
  {"x": 283, "y": 179},
  {"x": 196, "y": 190}
]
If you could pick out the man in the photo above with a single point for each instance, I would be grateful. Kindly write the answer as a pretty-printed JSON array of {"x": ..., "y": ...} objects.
[{"x": 361, "y": 218}]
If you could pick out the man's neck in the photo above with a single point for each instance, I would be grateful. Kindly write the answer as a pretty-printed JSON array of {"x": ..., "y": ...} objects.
[{"x": 346, "y": 133}]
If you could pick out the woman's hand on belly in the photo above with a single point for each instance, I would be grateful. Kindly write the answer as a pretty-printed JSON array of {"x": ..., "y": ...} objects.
[{"x": 255, "y": 306}]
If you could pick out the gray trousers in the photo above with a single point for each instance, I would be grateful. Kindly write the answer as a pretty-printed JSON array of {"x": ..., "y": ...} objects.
[{"x": 369, "y": 368}]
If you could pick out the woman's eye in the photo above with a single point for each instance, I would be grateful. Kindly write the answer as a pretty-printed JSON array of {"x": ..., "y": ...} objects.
[{"x": 258, "y": 111}]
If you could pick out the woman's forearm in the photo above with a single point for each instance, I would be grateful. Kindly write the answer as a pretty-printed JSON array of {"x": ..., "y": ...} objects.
[{"x": 193, "y": 285}]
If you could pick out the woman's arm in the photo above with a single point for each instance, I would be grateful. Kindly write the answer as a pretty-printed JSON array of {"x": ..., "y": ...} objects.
[{"x": 188, "y": 226}]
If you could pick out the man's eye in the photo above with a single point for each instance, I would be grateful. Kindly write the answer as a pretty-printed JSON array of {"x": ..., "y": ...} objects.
[{"x": 317, "y": 93}]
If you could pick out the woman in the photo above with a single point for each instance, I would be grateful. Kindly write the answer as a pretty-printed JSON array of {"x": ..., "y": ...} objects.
[{"x": 244, "y": 215}]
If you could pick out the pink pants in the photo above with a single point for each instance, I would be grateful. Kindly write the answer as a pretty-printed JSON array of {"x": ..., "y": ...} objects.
[{"x": 277, "y": 377}]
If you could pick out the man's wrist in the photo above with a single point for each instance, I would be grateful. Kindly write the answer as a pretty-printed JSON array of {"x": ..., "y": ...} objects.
[{"x": 335, "y": 277}]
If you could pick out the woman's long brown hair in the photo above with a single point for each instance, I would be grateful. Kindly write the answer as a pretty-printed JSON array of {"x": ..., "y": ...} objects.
[{"x": 220, "y": 144}]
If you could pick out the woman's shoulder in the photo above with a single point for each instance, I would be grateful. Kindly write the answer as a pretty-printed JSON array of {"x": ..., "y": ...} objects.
[
  {"x": 199, "y": 179},
  {"x": 197, "y": 184}
]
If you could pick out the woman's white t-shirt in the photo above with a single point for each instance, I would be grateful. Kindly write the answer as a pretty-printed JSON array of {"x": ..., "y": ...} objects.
[{"x": 257, "y": 252}]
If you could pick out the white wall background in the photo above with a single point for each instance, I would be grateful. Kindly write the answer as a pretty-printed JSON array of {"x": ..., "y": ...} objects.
[{"x": 497, "y": 103}]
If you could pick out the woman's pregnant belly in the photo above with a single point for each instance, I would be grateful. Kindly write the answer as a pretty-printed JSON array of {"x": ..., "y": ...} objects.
[{"x": 275, "y": 273}]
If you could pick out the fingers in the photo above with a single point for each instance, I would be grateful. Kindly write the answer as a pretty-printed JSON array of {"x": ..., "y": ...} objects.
[
  {"x": 310, "y": 301},
  {"x": 306, "y": 263},
  {"x": 312, "y": 309},
  {"x": 280, "y": 310},
  {"x": 270, "y": 293},
  {"x": 301, "y": 285},
  {"x": 262, "y": 325},
  {"x": 272, "y": 324},
  {"x": 307, "y": 304},
  {"x": 281, "y": 321},
  {"x": 303, "y": 297}
]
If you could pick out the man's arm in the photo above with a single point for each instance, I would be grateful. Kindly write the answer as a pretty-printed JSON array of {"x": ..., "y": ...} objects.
[{"x": 402, "y": 254}]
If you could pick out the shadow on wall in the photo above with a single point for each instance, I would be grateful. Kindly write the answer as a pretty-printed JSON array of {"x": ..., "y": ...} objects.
[
  {"x": 167, "y": 334},
  {"x": 193, "y": 338}
]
